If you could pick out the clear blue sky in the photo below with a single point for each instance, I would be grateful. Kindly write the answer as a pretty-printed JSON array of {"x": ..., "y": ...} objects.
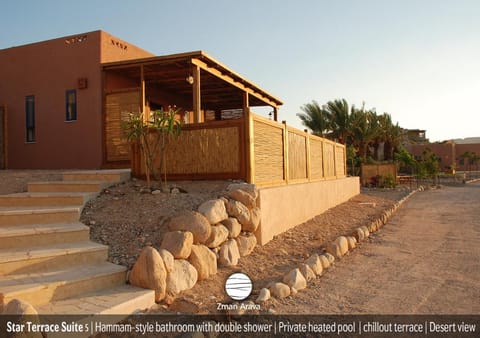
[{"x": 418, "y": 60}]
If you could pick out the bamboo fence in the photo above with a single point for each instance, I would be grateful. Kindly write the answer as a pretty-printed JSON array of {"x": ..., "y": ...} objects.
[
  {"x": 252, "y": 148},
  {"x": 280, "y": 154}
]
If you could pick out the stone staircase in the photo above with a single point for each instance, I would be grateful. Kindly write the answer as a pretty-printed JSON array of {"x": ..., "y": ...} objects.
[{"x": 47, "y": 258}]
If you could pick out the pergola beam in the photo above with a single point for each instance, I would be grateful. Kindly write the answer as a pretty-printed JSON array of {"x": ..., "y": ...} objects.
[{"x": 215, "y": 72}]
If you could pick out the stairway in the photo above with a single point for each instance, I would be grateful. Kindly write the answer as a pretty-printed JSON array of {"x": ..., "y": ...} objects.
[{"x": 47, "y": 258}]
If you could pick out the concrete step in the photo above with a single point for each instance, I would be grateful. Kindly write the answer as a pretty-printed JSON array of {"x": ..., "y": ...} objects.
[
  {"x": 45, "y": 287},
  {"x": 68, "y": 186},
  {"x": 23, "y": 236},
  {"x": 48, "y": 257},
  {"x": 45, "y": 199},
  {"x": 114, "y": 175},
  {"x": 120, "y": 300},
  {"x": 38, "y": 215}
]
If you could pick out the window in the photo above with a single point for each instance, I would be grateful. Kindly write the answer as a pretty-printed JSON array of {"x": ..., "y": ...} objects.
[
  {"x": 30, "y": 118},
  {"x": 71, "y": 105}
]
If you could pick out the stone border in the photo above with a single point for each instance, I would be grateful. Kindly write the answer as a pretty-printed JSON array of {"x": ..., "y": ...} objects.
[
  {"x": 200, "y": 242},
  {"x": 297, "y": 278}
]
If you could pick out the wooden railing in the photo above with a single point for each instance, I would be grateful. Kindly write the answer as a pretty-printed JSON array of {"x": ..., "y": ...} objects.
[{"x": 254, "y": 149}]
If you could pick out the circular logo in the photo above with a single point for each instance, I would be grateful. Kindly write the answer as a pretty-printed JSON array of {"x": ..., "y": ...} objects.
[{"x": 238, "y": 286}]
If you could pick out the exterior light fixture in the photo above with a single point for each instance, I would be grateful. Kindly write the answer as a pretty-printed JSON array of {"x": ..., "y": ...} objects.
[{"x": 189, "y": 79}]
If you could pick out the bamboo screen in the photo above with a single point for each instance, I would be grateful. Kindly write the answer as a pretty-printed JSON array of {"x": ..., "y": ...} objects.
[
  {"x": 268, "y": 152},
  {"x": 297, "y": 156},
  {"x": 118, "y": 105},
  {"x": 316, "y": 158},
  {"x": 340, "y": 169},
  {"x": 205, "y": 151},
  {"x": 329, "y": 159}
]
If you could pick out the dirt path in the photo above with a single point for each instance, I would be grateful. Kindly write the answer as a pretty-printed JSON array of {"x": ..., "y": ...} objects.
[{"x": 426, "y": 260}]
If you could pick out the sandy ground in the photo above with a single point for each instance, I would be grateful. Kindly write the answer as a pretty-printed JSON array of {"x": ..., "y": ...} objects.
[{"x": 426, "y": 260}]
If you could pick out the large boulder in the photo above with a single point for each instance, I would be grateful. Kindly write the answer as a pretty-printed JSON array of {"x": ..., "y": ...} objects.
[
  {"x": 246, "y": 243},
  {"x": 20, "y": 312},
  {"x": 183, "y": 277},
  {"x": 307, "y": 272},
  {"x": 167, "y": 258},
  {"x": 330, "y": 257},
  {"x": 338, "y": 247},
  {"x": 218, "y": 235},
  {"x": 204, "y": 261},
  {"x": 295, "y": 279},
  {"x": 233, "y": 226},
  {"x": 358, "y": 234},
  {"x": 352, "y": 242},
  {"x": 242, "y": 196},
  {"x": 179, "y": 243},
  {"x": 229, "y": 254},
  {"x": 325, "y": 261},
  {"x": 365, "y": 231},
  {"x": 19, "y": 307},
  {"x": 191, "y": 221},
  {"x": 254, "y": 221},
  {"x": 239, "y": 211},
  {"x": 249, "y": 188},
  {"x": 213, "y": 210},
  {"x": 149, "y": 272},
  {"x": 315, "y": 263},
  {"x": 279, "y": 290},
  {"x": 263, "y": 296}
]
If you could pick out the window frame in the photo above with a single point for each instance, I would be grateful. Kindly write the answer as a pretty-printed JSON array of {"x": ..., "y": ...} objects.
[
  {"x": 30, "y": 135},
  {"x": 70, "y": 117}
]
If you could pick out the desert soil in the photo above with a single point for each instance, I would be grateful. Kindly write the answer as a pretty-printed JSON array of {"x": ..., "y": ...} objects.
[
  {"x": 421, "y": 262},
  {"x": 127, "y": 220},
  {"x": 426, "y": 260}
]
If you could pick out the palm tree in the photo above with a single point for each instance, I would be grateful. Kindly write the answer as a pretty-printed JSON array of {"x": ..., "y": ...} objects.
[
  {"x": 388, "y": 133},
  {"x": 364, "y": 129},
  {"x": 316, "y": 118},
  {"x": 339, "y": 120}
]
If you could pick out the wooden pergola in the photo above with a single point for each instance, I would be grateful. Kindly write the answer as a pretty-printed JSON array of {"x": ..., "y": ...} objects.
[{"x": 202, "y": 82}]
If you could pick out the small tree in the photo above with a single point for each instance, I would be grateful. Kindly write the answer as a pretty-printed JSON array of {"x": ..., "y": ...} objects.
[
  {"x": 167, "y": 126},
  {"x": 152, "y": 136}
]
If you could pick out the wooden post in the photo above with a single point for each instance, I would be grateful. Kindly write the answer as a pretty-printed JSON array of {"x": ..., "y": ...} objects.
[
  {"x": 323, "y": 159},
  {"x": 275, "y": 114},
  {"x": 307, "y": 144},
  {"x": 335, "y": 159},
  {"x": 196, "y": 95},
  {"x": 249, "y": 137},
  {"x": 285, "y": 152},
  {"x": 142, "y": 94}
]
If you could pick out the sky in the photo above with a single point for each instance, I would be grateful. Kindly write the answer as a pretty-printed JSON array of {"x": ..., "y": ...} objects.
[{"x": 418, "y": 60}]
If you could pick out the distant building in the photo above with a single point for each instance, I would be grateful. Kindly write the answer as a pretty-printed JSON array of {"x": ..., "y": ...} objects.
[
  {"x": 458, "y": 154},
  {"x": 414, "y": 136},
  {"x": 445, "y": 151}
]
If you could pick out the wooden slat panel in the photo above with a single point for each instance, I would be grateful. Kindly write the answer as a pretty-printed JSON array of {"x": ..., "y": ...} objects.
[
  {"x": 205, "y": 151},
  {"x": 268, "y": 150},
  {"x": 328, "y": 159},
  {"x": 340, "y": 160},
  {"x": 118, "y": 105},
  {"x": 297, "y": 156},
  {"x": 316, "y": 158}
]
